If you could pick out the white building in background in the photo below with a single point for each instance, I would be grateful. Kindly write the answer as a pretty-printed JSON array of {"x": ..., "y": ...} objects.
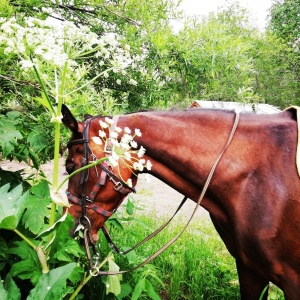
[{"x": 259, "y": 108}]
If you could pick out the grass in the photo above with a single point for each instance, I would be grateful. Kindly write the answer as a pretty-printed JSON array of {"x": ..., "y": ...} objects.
[{"x": 197, "y": 266}]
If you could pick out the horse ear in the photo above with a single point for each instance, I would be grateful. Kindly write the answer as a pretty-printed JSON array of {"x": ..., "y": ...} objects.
[
  {"x": 68, "y": 119},
  {"x": 87, "y": 116}
]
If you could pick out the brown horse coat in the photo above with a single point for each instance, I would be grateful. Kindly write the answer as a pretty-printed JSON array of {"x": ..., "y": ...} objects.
[{"x": 253, "y": 198}]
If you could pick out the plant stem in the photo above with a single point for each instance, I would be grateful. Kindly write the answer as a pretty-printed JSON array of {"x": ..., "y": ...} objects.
[
  {"x": 30, "y": 243},
  {"x": 55, "y": 171},
  {"x": 93, "y": 164},
  {"x": 92, "y": 274},
  {"x": 39, "y": 251}
]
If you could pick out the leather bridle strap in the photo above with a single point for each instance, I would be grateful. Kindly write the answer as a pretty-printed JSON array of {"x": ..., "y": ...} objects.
[{"x": 95, "y": 270}]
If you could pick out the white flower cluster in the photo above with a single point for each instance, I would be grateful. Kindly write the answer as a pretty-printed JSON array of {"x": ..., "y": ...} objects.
[
  {"x": 36, "y": 41},
  {"x": 126, "y": 149}
]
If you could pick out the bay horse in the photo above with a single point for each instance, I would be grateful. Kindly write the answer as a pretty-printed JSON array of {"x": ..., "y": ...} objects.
[{"x": 253, "y": 197}]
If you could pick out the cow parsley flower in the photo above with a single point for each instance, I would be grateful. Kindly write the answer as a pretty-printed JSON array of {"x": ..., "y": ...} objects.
[{"x": 122, "y": 148}]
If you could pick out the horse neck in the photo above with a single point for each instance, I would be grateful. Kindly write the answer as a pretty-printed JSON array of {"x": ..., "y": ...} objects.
[{"x": 182, "y": 146}]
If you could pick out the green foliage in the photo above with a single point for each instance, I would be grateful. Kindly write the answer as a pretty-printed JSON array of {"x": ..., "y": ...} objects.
[
  {"x": 36, "y": 207},
  {"x": 285, "y": 21},
  {"x": 9, "y": 290},
  {"x": 28, "y": 267},
  {"x": 9, "y": 135},
  {"x": 53, "y": 285},
  {"x": 11, "y": 206}
]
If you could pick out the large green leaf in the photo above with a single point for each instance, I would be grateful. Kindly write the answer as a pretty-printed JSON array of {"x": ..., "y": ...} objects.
[
  {"x": 36, "y": 207},
  {"x": 13, "y": 292},
  {"x": 37, "y": 140},
  {"x": 53, "y": 285},
  {"x": 3, "y": 292},
  {"x": 11, "y": 206},
  {"x": 113, "y": 282},
  {"x": 3, "y": 253},
  {"x": 29, "y": 266},
  {"x": 8, "y": 136}
]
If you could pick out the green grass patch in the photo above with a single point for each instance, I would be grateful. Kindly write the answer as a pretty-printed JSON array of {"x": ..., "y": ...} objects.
[{"x": 196, "y": 266}]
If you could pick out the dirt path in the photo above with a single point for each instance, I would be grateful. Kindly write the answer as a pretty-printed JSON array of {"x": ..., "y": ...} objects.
[{"x": 155, "y": 197}]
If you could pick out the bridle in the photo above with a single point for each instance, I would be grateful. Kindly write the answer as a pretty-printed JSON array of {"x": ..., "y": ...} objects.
[
  {"x": 86, "y": 201},
  {"x": 124, "y": 189}
]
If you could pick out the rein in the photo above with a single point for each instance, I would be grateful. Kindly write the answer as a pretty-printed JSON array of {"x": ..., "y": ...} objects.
[{"x": 94, "y": 271}]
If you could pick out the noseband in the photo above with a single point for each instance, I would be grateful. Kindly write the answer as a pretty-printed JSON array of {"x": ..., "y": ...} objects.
[{"x": 119, "y": 185}]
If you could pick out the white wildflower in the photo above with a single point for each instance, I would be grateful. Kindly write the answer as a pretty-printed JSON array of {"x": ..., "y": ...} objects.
[
  {"x": 129, "y": 182},
  {"x": 112, "y": 161},
  {"x": 133, "y": 144},
  {"x": 138, "y": 166},
  {"x": 109, "y": 120},
  {"x": 141, "y": 152},
  {"x": 127, "y": 130},
  {"x": 114, "y": 135},
  {"x": 102, "y": 134},
  {"x": 97, "y": 140},
  {"x": 137, "y": 132},
  {"x": 118, "y": 129},
  {"x": 133, "y": 82},
  {"x": 103, "y": 124},
  {"x": 149, "y": 165},
  {"x": 127, "y": 155}
]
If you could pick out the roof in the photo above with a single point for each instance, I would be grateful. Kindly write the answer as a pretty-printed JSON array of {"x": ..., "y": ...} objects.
[{"x": 259, "y": 108}]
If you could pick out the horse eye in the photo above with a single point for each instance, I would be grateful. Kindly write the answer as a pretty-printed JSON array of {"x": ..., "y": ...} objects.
[{"x": 70, "y": 169}]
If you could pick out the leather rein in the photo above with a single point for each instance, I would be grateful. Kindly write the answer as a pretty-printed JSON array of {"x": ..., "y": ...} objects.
[{"x": 124, "y": 189}]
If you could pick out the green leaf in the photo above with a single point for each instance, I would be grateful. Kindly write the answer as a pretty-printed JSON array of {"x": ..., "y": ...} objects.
[
  {"x": 150, "y": 290},
  {"x": 11, "y": 206},
  {"x": 53, "y": 285},
  {"x": 3, "y": 292},
  {"x": 36, "y": 207},
  {"x": 44, "y": 101},
  {"x": 37, "y": 140},
  {"x": 139, "y": 288},
  {"x": 125, "y": 291},
  {"x": 3, "y": 253},
  {"x": 113, "y": 282},
  {"x": 8, "y": 136},
  {"x": 129, "y": 207},
  {"x": 13, "y": 292},
  {"x": 29, "y": 266},
  {"x": 13, "y": 115}
]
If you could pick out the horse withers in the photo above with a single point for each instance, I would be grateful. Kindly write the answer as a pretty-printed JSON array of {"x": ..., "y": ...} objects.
[{"x": 253, "y": 197}]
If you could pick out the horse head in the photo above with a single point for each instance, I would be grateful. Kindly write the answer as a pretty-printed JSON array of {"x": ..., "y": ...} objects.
[{"x": 95, "y": 192}]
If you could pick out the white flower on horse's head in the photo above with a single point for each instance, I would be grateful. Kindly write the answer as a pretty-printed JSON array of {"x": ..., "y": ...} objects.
[
  {"x": 114, "y": 135},
  {"x": 115, "y": 155},
  {"x": 102, "y": 134},
  {"x": 109, "y": 120},
  {"x": 149, "y": 165},
  {"x": 126, "y": 138},
  {"x": 124, "y": 148},
  {"x": 137, "y": 132},
  {"x": 133, "y": 144},
  {"x": 127, "y": 130},
  {"x": 118, "y": 129},
  {"x": 103, "y": 124},
  {"x": 141, "y": 152},
  {"x": 138, "y": 166},
  {"x": 129, "y": 182},
  {"x": 112, "y": 161},
  {"x": 127, "y": 155},
  {"x": 97, "y": 140}
]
